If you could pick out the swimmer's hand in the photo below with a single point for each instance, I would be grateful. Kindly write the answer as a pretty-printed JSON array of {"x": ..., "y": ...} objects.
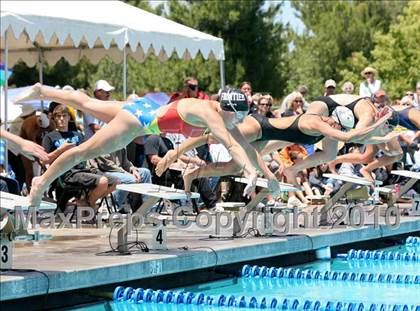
[
  {"x": 28, "y": 149},
  {"x": 250, "y": 186}
]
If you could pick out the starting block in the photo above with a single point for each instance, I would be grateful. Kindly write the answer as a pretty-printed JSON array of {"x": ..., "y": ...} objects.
[
  {"x": 243, "y": 210},
  {"x": 155, "y": 193},
  {"x": 413, "y": 178},
  {"x": 8, "y": 230},
  {"x": 349, "y": 182}
]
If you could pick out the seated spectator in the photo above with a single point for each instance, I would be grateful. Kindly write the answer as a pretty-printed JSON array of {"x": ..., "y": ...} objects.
[
  {"x": 5, "y": 174},
  {"x": 189, "y": 90},
  {"x": 116, "y": 165},
  {"x": 330, "y": 86},
  {"x": 58, "y": 141},
  {"x": 380, "y": 99},
  {"x": 289, "y": 156},
  {"x": 246, "y": 88},
  {"x": 417, "y": 96},
  {"x": 321, "y": 185},
  {"x": 292, "y": 105},
  {"x": 264, "y": 104},
  {"x": 370, "y": 85},
  {"x": 348, "y": 87},
  {"x": 155, "y": 149},
  {"x": 34, "y": 128},
  {"x": 102, "y": 91},
  {"x": 303, "y": 90}
]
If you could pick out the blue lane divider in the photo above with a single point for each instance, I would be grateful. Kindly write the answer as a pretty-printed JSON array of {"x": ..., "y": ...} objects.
[
  {"x": 412, "y": 240},
  {"x": 293, "y": 273},
  {"x": 139, "y": 295},
  {"x": 380, "y": 255}
]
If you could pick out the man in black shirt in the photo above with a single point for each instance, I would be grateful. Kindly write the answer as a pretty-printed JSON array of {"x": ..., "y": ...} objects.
[
  {"x": 155, "y": 148},
  {"x": 58, "y": 141}
]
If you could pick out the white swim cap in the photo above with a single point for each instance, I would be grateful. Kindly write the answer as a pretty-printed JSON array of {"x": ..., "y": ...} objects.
[{"x": 343, "y": 116}]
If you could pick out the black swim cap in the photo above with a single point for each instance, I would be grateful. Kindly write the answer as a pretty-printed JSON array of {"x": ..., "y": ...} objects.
[{"x": 233, "y": 100}]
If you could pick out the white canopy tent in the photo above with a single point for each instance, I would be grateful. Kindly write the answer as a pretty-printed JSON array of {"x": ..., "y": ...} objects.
[{"x": 38, "y": 31}]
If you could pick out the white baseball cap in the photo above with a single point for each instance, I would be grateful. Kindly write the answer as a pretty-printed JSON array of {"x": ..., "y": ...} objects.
[
  {"x": 103, "y": 85},
  {"x": 343, "y": 116},
  {"x": 330, "y": 82}
]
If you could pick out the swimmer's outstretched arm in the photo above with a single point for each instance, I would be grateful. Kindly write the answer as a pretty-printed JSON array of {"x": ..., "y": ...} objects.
[
  {"x": 27, "y": 148},
  {"x": 351, "y": 136},
  {"x": 256, "y": 159},
  {"x": 217, "y": 127},
  {"x": 172, "y": 155}
]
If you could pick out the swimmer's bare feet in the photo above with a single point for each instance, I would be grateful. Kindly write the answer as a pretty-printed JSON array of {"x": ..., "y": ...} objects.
[
  {"x": 37, "y": 191},
  {"x": 366, "y": 174},
  {"x": 33, "y": 92},
  {"x": 189, "y": 175},
  {"x": 164, "y": 163},
  {"x": 250, "y": 186}
]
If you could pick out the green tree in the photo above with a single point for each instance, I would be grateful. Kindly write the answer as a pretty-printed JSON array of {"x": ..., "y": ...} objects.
[
  {"x": 255, "y": 48},
  {"x": 397, "y": 53},
  {"x": 255, "y": 44},
  {"x": 334, "y": 31}
]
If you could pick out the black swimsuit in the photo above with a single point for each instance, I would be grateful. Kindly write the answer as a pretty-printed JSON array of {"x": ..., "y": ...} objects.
[
  {"x": 332, "y": 104},
  {"x": 291, "y": 134}
]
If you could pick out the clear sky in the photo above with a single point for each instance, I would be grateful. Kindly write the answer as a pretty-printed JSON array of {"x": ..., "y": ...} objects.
[{"x": 288, "y": 15}]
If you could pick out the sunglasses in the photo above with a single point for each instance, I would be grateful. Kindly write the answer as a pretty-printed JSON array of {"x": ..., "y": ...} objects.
[
  {"x": 193, "y": 87},
  {"x": 409, "y": 94},
  {"x": 368, "y": 73},
  {"x": 268, "y": 105},
  {"x": 298, "y": 101}
]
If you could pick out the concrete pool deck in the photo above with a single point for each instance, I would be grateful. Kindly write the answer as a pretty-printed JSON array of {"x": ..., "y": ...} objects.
[{"x": 71, "y": 258}]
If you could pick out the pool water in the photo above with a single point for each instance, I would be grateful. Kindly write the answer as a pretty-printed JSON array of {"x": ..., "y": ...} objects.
[{"x": 305, "y": 289}]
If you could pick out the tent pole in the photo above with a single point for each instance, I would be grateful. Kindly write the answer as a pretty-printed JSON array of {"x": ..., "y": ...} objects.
[
  {"x": 40, "y": 73},
  {"x": 125, "y": 72},
  {"x": 222, "y": 73},
  {"x": 6, "y": 86}
]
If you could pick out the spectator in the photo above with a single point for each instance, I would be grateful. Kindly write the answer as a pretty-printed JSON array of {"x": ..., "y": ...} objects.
[
  {"x": 118, "y": 166},
  {"x": 246, "y": 88},
  {"x": 190, "y": 90},
  {"x": 407, "y": 101},
  {"x": 4, "y": 173},
  {"x": 155, "y": 149},
  {"x": 321, "y": 185},
  {"x": 16, "y": 124},
  {"x": 289, "y": 156},
  {"x": 417, "y": 96},
  {"x": 370, "y": 85},
  {"x": 348, "y": 87},
  {"x": 58, "y": 141},
  {"x": 264, "y": 104},
  {"x": 303, "y": 89},
  {"x": 330, "y": 86},
  {"x": 294, "y": 105},
  {"x": 380, "y": 99},
  {"x": 102, "y": 91}
]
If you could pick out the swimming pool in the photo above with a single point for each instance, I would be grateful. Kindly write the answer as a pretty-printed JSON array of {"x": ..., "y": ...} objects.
[{"x": 358, "y": 280}]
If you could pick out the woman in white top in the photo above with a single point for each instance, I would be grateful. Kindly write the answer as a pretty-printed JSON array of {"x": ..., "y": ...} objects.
[{"x": 370, "y": 85}]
